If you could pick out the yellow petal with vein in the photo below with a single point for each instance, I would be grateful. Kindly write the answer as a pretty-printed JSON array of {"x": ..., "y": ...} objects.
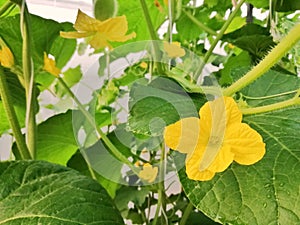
[
  {"x": 86, "y": 23},
  {"x": 246, "y": 144},
  {"x": 183, "y": 135},
  {"x": 221, "y": 110}
]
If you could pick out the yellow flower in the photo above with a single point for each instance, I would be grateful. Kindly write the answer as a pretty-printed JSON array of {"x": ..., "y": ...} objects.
[
  {"x": 144, "y": 65},
  {"x": 100, "y": 32},
  {"x": 215, "y": 140},
  {"x": 173, "y": 49},
  {"x": 49, "y": 66},
  {"x": 148, "y": 173},
  {"x": 6, "y": 57}
]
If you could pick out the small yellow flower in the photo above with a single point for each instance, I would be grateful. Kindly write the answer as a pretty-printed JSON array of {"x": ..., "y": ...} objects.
[
  {"x": 173, "y": 49},
  {"x": 100, "y": 32},
  {"x": 215, "y": 140},
  {"x": 144, "y": 65},
  {"x": 49, "y": 66},
  {"x": 6, "y": 57},
  {"x": 148, "y": 173}
]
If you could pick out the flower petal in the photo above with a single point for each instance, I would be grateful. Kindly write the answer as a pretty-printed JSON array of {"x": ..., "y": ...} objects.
[
  {"x": 6, "y": 57},
  {"x": 173, "y": 49},
  {"x": 199, "y": 167},
  {"x": 223, "y": 110},
  {"x": 86, "y": 23},
  {"x": 116, "y": 26},
  {"x": 192, "y": 166},
  {"x": 115, "y": 29},
  {"x": 99, "y": 41},
  {"x": 50, "y": 67},
  {"x": 222, "y": 160},
  {"x": 75, "y": 34},
  {"x": 148, "y": 173},
  {"x": 183, "y": 135},
  {"x": 246, "y": 143}
]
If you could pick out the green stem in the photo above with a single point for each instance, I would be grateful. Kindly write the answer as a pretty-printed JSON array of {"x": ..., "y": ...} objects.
[
  {"x": 5, "y": 7},
  {"x": 270, "y": 60},
  {"x": 199, "y": 24},
  {"x": 101, "y": 134},
  {"x": 31, "y": 128},
  {"x": 267, "y": 108},
  {"x": 218, "y": 38},
  {"x": 186, "y": 213},
  {"x": 23, "y": 152},
  {"x": 270, "y": 96},
  {"x": 161, "y": 206},
  {"x": 153, "y": 35}
]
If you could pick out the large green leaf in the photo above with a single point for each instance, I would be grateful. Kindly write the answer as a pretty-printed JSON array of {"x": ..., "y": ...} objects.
[
  {"x": 268, "y": 191},
  {"x": 158, "y": 104},
  {"x": 56, "y": 142},
  {"x": 37, "y": 192},
  {"x": 78, "y": 163}
]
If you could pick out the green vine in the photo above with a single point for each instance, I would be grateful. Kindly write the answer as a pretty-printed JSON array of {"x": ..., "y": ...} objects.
[
  {"x": 31, "y": 128},
  {"x": 22, "y": 150},
  {"x": 270, "y": 60}
]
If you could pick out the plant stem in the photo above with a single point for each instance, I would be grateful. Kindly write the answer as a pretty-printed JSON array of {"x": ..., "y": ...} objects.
[
  {"x": 31, "y": 128},
  {"x": 161, "y": 206},
  {"x": 199, "y": 24},
  {"x": 218, "y": 38},
  {"x": 270, "y": 60},
  {"x": 153, "y": 35},
  {"x": 101, "y": 134},
  {"x": 189, "y": 208},
  {"x": 270, "y": 96},
  {"x": 5, "y": 7},
  {"x": 23, "y": 152},
  {"x": 272, "y": 107}
]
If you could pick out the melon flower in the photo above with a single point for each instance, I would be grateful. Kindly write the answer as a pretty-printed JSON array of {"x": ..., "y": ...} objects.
[
  {"x": 6, "y": 57},
  {"x": 215, "y": 140},
  {"x": 148, "y": 173},
  {"x": 173, "y": 49},
  {"x": 99, "y": 33},
  {"x": 50, "y": 66}
]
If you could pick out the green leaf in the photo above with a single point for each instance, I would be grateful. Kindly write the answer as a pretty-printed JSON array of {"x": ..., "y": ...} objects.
[
  {"x": 78, "y": 163},
  {"x": 268, "y": 191},
  {"x": 158, "y": 104},
  {"x": 252, "y": 38},
  {"x": 128, "y": 194},
  {"x": 275, "y": 83},
  {"x": 279, "y": 5},
  {"x": 71, "y": 77},
  {"x": 56, "y": 142},
  {"x": 235, "y": 62},
  {"x": 136, "y": 20},
  {"x": 37, "y": 192},
  {"x": 63, "y": 48},
  {"x": 18, "y": 97}
]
